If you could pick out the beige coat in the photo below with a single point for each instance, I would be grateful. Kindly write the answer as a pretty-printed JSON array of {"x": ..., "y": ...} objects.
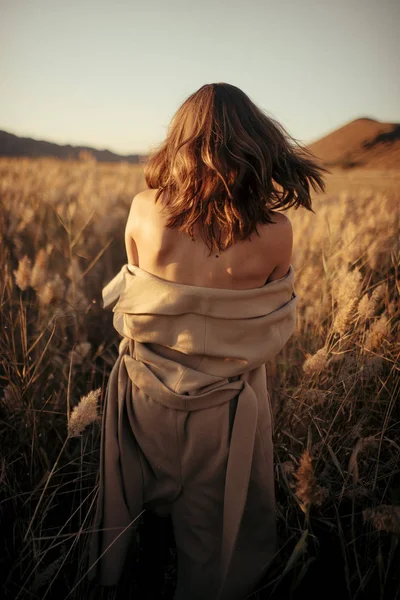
[{"x": 187, "y": 428}]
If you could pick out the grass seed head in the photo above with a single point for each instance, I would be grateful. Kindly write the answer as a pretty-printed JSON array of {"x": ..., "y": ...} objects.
[
  {"x": 84, "y": 413},
  {"x": 23, "y": 274},
  {"x": 307, "y": 489},
  {"x": 384, "y": 517},
  {"x": 347, "y": 298},
  {"x": 52, "y": 291},
  {"x": 39, "y": 271},
  {"x": 316, "y": 362},
  {"x": 368, "y": 304},
  {"x": 377, "y": 332}
]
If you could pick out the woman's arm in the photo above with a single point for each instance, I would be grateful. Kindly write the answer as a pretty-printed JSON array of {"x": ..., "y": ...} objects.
[
  {"x": 283, "y": 248},
  {"x": 130, "y": 245}
]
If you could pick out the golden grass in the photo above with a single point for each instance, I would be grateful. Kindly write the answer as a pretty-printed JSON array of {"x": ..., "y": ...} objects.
[{"x": 334, "y": 386}]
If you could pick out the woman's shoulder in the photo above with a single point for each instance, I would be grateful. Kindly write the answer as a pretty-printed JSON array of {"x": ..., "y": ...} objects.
[
  {"x": 140, "y": 206},
  {"x": 280, "y": 228},
  {"x": 279, "y": 218},
  {"x": 277, "y": 243}
]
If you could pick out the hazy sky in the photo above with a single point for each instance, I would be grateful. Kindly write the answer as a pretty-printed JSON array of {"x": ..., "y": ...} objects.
[{"x": 111, "y": 74}]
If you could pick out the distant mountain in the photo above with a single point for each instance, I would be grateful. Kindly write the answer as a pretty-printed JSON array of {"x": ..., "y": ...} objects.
[
  {"x": 13, "y": 145},
  {"x": 360, "y": 143},
  {"x": 363, "y": 142}
]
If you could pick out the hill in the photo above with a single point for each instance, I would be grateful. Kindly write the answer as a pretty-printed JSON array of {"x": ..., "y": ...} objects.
[
  {"x": 361, "y": 143},
  {"x": 13, "y": 145}
]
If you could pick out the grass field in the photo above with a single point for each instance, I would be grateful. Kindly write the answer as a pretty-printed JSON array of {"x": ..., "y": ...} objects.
[{"x": 335, "y": 386}]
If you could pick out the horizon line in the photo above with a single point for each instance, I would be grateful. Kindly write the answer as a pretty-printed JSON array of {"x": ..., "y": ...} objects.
[{"x": 124, "y": 153}]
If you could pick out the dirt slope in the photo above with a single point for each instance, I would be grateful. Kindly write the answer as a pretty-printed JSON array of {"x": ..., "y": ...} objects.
[{"x": 360, "y": 143}]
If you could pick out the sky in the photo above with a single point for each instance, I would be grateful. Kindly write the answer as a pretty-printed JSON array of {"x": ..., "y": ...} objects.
[{"x": 111, "y": 74}]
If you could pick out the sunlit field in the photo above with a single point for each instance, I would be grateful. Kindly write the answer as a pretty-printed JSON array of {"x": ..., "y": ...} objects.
[{"x": 334, "y": 387}]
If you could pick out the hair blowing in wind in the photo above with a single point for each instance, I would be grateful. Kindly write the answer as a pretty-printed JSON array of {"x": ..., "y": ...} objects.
[{"x": 224, "y": 164}]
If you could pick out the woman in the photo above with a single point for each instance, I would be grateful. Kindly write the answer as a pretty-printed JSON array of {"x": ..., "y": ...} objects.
[{"x": 205, "y": 300}]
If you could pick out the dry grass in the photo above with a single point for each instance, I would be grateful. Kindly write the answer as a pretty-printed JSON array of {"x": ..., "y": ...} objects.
[{"x": 335, "y": 388}]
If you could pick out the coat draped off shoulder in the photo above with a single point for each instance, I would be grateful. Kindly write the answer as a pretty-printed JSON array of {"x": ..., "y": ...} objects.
[{"x": 187, "y": 428}]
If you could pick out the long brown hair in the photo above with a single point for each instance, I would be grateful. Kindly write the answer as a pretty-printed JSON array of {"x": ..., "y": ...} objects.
[{"x": 220, "y": 163}]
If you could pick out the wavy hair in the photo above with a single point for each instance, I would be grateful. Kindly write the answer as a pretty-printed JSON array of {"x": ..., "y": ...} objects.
[{"x": 224, "y": 164}]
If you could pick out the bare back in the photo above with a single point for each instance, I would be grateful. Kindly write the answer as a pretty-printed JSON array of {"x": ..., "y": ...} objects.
[{"x": 174, "y": 256}]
